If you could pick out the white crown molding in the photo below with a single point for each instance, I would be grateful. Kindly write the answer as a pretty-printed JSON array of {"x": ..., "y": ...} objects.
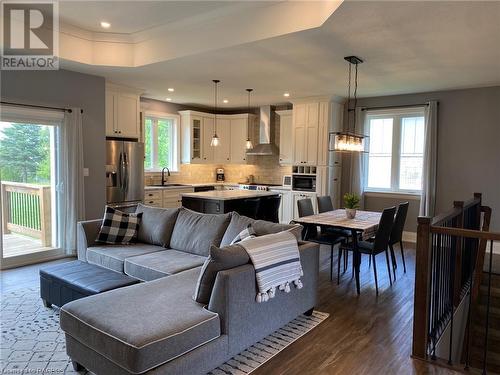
[{"x": 233, "y": 25}]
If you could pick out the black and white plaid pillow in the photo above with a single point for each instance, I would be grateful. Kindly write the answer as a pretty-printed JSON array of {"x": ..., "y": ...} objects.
[
  {"x": 118, "y": 227},
  {"x": 245, "y": 234}
]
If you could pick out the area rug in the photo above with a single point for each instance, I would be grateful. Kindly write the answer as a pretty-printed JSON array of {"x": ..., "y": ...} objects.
[{"x": 32, "y": 341}]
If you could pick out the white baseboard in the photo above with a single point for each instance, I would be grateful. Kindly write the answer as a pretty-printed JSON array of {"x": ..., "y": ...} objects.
[{"x": 410, "y": 237}]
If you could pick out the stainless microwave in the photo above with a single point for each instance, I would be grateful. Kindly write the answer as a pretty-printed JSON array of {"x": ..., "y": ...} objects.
[{"x": 304, "y": 182}]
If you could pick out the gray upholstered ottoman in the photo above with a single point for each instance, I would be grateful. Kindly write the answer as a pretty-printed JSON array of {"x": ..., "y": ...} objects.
[{"x": 66, "y": 282}]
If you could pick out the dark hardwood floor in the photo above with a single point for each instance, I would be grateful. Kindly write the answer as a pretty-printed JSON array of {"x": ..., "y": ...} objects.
[{"x": 364, "y": 334}]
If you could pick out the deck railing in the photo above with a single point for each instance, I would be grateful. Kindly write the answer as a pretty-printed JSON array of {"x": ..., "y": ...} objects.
[
  {"x": 449, "y": 266},
  {"x": 26, "y": 209}
]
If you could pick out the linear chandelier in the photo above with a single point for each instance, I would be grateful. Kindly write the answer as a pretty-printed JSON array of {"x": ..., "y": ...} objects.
[{"x": 349, "y": 140}]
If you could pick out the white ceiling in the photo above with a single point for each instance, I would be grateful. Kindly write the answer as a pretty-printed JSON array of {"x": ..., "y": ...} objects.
[
  {"x": 407, "y": 47},
  {"x": 127, "y": 17}
]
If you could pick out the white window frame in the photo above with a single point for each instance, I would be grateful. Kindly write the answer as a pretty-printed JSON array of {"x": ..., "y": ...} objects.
[
  {"x": 176, "y": 153},
  {"x": 396, "y": 115}
]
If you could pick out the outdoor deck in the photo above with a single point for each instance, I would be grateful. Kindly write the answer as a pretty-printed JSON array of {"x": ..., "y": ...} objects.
[{"x": 16, "y": 244}]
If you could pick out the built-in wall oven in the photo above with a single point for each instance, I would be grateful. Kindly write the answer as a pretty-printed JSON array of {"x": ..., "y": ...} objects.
[{"x": 304, "y": 182}]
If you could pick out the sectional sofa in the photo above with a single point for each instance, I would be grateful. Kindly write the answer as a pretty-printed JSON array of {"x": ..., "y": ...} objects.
[{"x": 157, "y": 326}]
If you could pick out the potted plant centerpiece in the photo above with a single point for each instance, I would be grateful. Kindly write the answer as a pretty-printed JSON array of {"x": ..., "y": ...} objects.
[{"x": 351, "y": 203}]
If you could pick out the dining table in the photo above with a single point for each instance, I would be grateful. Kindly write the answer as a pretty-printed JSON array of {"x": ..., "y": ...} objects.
[{"x": 364, "y": 225}]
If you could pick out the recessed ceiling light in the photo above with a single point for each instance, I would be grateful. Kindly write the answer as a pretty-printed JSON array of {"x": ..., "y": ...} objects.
[
  {"x": 225, "y": 101},
  {"x": 105, "y": 25},
  {"x": 169, "y": 99},
  {"x": 171, "y": 89},
  {"x": 286, "y": 94}
]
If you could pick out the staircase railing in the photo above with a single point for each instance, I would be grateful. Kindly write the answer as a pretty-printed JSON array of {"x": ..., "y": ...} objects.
[{"x": 449, "y": 265}]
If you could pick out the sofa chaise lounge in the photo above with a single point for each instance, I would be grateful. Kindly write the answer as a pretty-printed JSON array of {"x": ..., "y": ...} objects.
[{"x": 157, "y": 326}]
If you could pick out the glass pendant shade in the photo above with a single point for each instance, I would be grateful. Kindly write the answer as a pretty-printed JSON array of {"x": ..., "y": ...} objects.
[
  {"x": 249, "y": 144},
  {"x": 215, "y": 141}
]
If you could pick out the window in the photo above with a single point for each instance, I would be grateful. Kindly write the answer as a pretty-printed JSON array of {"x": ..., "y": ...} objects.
[
  {"x": 161, "y": 147},
  {"x": 395, "y": 159}
]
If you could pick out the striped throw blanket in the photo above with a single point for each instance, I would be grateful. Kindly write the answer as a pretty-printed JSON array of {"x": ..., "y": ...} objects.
[{"x": 276, "y": 260}]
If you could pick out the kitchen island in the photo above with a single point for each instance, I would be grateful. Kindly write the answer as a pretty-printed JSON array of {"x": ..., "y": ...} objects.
[{"x": 223, "y": 201}]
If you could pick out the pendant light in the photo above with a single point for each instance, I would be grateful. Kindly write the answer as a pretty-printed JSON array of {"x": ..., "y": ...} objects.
[
  {"x": 248, "y": 144},
  {"x": 215, "y": 139},
  {"x": 349, "y": 140}
]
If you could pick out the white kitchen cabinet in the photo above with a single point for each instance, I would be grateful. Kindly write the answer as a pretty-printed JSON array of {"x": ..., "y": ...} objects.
[
  {"x": 122, "y": 112},
  {"x": 191, "y": 138},
  {"x": 286, "y": 137},
  {"x": 222, "y": 153},
  {"x": 305, "y": 133},
  {"x": 207, "y": 132},
  {"x": 296, "y": 196},
  {"x": 238, "y": 140},
  {"x": 166, "y": 198},
  {"x": 323, "y": 122},
  {"x": 197, "y": 130},
  {"x": 286, "y": 205}
]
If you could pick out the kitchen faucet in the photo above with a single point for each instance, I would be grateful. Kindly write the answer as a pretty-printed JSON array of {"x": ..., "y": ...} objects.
[{"x": 163, "y": 175}]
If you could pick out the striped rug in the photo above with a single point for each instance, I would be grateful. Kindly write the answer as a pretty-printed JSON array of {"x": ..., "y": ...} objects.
[{"x": 261, "y": 352}]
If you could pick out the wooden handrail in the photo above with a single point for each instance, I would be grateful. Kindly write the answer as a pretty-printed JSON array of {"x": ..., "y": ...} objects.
[
  {"x": 468, "y": 233},
  {"x": 449, "y": 224}
]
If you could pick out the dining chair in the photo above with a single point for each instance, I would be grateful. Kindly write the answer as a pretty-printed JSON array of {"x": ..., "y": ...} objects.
[
  {"x": 380, "y": 243},
  {"x": 325, "y": 204},
  {"x": 397, "y": 234},
  {"x": 269, "y": 208},
  {"x": 305, "y": 208},
  {"x": 249, "y": 207}
]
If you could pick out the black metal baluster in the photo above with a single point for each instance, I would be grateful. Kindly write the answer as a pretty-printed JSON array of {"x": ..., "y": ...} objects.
[
  {"x": 451, "y": 292},
  {"x": 431, "y": 299},
  {"x": 485, "y": 354},
  {"x": 469, "y": 319}
]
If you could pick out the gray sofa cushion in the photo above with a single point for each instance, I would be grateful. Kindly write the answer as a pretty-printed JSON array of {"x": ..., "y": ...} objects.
[
  {"x": 219, "y": 259},
  {"x": 195, "y": 232},
  {"x": 113, "y": 256},
  {"x": 143, "y": 326},
  {"x": 156, "y": 224},
  {"x": 160, "y": 264},
  {"x": 261, "y": 227}
]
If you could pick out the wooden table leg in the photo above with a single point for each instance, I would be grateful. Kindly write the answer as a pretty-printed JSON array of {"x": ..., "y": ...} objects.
[{"x": 356, "y": 258}]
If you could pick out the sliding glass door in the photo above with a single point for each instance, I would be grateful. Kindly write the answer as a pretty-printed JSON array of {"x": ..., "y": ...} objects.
[{"x": 29, "y": 197}]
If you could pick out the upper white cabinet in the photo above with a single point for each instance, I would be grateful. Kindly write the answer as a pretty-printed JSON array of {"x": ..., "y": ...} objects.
[
  {"x": 286, "y": 137},
  {"x": 239, "y": 128},
  {"x": 122, "y": 112},
  {"x": 305, "y": 133},
  {"x": 197, "y": 129},
  {"x": 222, "y": 153},
  {"x": 312, "y": 122}
]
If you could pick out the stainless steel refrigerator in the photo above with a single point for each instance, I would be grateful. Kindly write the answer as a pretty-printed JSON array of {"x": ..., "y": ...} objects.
[{"x": 124, "y": 172}]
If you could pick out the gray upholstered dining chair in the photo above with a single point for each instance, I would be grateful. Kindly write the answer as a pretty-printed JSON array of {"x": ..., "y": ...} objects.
[
  {"x": 305, "y": 208},
  {"x": 397, "y": 233},
  {"x": 380, "y": 243},
  {"x": 325, "y": 204}
]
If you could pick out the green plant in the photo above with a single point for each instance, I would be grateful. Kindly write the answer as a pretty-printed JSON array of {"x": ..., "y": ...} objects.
[{"x": 351, "y": 201}]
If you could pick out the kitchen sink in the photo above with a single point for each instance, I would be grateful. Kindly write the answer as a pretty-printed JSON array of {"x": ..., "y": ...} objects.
[{"x": 168, "y": 185}]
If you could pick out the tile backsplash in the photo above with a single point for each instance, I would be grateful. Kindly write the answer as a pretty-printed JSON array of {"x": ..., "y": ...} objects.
[{"x": 265, "y": 169}]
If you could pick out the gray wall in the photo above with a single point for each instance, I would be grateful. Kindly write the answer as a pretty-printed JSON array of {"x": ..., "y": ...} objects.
[
  {"x": 62, "y": 88},
  {"x": 373, "y": 203},
  {"x": 468, "y": 144}
]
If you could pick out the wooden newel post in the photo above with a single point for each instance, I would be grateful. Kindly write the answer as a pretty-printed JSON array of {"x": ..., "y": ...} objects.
[{"x": 422, "y": 276}]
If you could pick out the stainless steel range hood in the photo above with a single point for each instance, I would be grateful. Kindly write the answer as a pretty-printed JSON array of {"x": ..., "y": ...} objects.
[{"x": 266, "y": 144}]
